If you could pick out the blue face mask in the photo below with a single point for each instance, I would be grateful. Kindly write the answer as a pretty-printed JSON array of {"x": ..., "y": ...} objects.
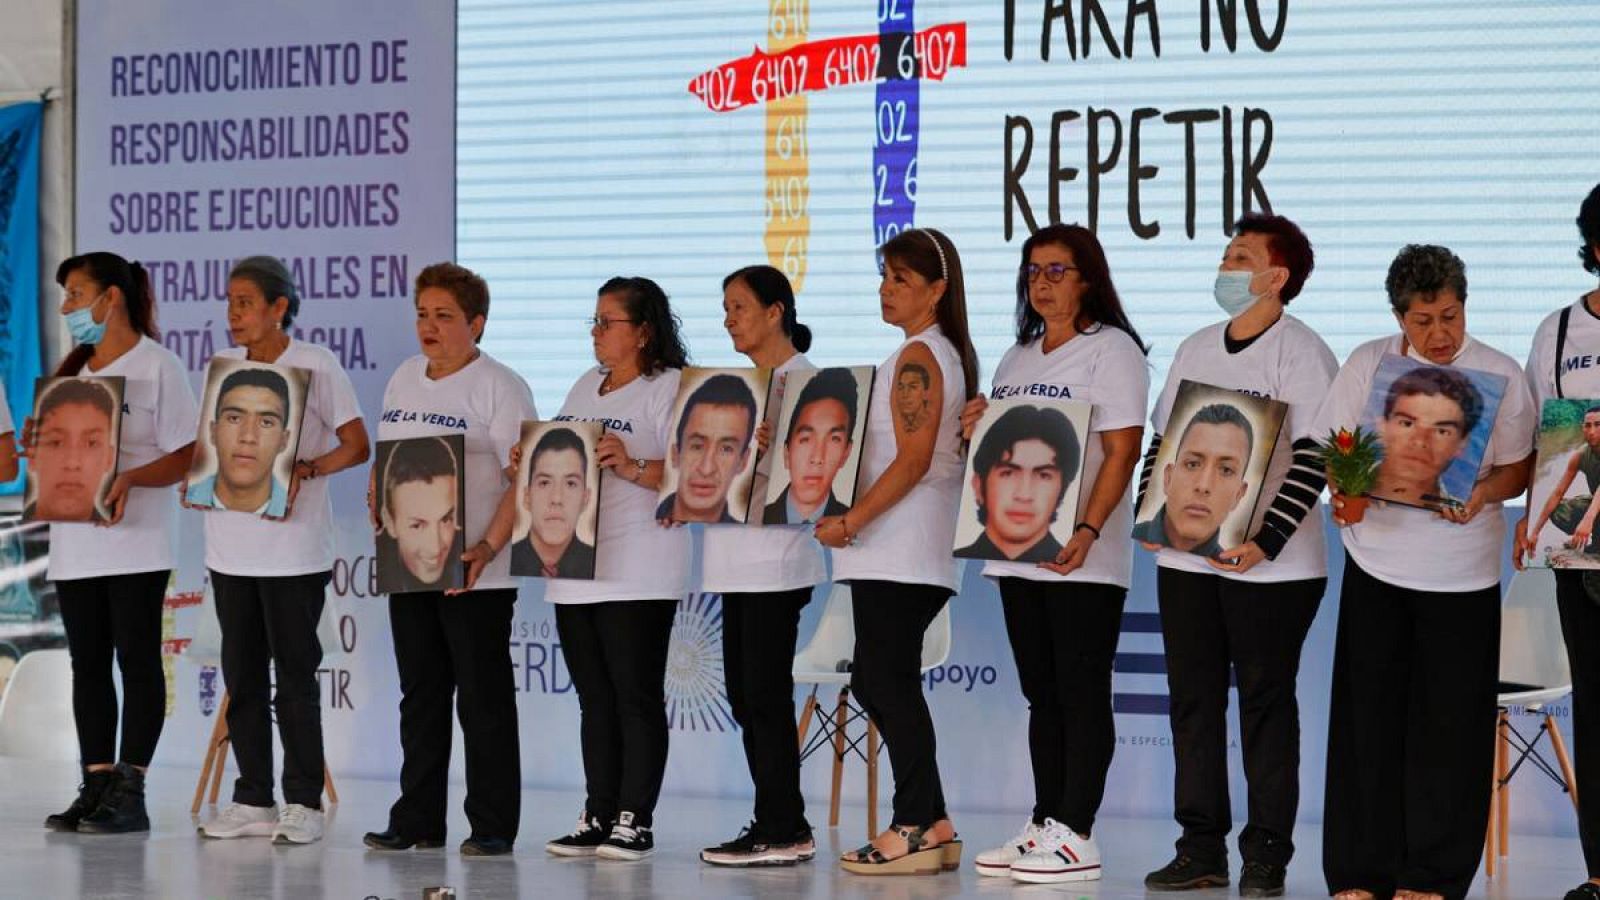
[
  {"x": 82, "y": 326},
  {"x": 1232, "y": 291}
]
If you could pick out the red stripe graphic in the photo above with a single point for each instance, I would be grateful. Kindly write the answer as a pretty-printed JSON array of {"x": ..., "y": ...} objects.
[{"x": 820, "y": 65}]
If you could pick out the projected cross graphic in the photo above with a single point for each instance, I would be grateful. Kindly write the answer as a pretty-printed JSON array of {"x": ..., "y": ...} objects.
[{"x": 897, "y": 58}]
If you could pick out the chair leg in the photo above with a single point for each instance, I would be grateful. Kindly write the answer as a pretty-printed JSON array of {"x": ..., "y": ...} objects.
[
  {"x": 1489, "y": 858},
  {"x": 805, "y": 716},
  {"x": 872, "y": 779},
  {"x": 1560, "y": 744},
  {"x": 1503, "y": 794},
  {"x": 327, "y": 784},
  {"x": 216, "y": 774},
  {"x": 840, "y": 711},
  {"x": 219, "y": 734}
]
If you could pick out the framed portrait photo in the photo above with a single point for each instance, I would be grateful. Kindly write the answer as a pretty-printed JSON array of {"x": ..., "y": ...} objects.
[
  {"x": 817, "y": 438},
  {"x": 77, "y": 432},
  {"x": 244, "y": 454},
  {"x": 419, "y": 491},
  {"x": 711, "y": 462},
  {"x": 1566, "y": 482},
  {"x": 1020, "y": 490},
  {"x": 558, "y": 501}
]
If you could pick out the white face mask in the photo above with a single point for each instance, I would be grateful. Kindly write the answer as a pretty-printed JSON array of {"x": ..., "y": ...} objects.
[{"x": 1232, "y": 292}]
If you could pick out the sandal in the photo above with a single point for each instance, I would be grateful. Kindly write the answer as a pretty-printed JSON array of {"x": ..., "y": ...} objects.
[
  {"x": 920, "y": 858},
  {"x": 1354, "y": 894},
  {"x": 944, "y": 831}
]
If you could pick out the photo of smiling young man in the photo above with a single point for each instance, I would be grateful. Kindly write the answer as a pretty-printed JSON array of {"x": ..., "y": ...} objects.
[
  {"x": 1020, "y": 477},
  {"x": 249, "y": 441},
  {"x": 710, "y": 463},
  {"x": 77, "y": 421},
  {"x": 420, "y": 514},
  {"x": 1203, "y": 483},
  {"x": 820, "y": 441},
  {"x": 558, "y": 498}
]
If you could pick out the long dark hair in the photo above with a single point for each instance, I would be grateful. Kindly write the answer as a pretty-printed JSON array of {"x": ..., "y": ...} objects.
[
  {"x": 771, "y": 286},
  {"x": 930, "y": 254},
  {"x": 109, "y": 270},
  {"x": 1100, "y": 305},
  {"x": 647, "y": 305}
]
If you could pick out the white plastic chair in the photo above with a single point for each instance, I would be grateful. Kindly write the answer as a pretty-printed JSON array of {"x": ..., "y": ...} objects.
[
  {"x": 35, "y": 712},
  {"x": 826, "y": 659},
  {"x": 1533, "y": 674}
]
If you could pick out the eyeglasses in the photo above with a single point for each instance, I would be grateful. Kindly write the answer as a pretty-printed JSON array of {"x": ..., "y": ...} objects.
[
  {"x": 605, "y": 324},
  {"x": 1052, "y": 273}
]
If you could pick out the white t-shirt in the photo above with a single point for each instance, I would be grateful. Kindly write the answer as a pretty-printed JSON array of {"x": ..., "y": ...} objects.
[
  {"x": 1106, "y": 369},
  {"x": 635, "y": 559},
  {"x": 244, "y": 544},
  {"x": 912, "y": 541},
  {"x": 1580, "y": 378},
  {"x": 743, "y": 558},
  {"x": 485, "y": 402},
  {"x": 1288, "y": 362},
  {"x": 158, "y": 417},
  {"x": 1415, "y": 548}
]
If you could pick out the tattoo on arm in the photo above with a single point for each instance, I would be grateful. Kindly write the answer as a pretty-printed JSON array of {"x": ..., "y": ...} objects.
[{"x": 911, "y": 386}]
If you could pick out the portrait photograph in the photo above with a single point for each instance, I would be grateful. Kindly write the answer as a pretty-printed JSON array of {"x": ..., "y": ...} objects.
[
  {"x": 1566, "y": 485},
  {"x": 558, "y": 500},
  {"x": 77, "y": 427},
  {"x": 712, "y": 458},
  {"x": 244, "y": 454},
  {"x": 816, "y": 445},
  {"x": 420, "y": 496},
  {"x": 1210, "y": 469},
  {"x": 1020, "y": 490},
  {"x": 1433, "y": 423}
]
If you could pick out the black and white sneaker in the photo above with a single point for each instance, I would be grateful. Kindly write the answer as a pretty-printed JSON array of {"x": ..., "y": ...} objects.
[
  {"x": 590, "y": 833},
  {"x": 627, "y": 841},
  {"x": 745, "y": 851}
]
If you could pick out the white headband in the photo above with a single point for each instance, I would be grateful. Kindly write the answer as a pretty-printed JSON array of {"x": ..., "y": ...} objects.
[{"x": 944, "y": 269}]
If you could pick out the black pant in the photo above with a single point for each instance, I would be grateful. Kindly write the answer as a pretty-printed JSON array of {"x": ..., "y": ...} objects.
[
  {"x": 617, "y": 654},
  {"x": 886, "y": 676},
  {"x": 1214, "y": 627},
  {"x": 758, "y": 637},
  {"x": 273, "y": 622},
  {"x": 1064, "y": 640},
  {"x": 1410, "y": 737},
  {"x": 1580, "y": 625},
  {"x": 116, "y": 615},
  {"x": 454, "y": 648}
]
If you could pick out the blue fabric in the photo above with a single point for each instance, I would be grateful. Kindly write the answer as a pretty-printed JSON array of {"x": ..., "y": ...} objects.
[{"x": 19, "y": 260}]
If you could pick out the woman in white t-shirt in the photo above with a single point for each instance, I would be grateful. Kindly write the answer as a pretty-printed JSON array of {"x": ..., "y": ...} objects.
[
  {"x": 1563, "y": 364},
  {"x": 111, "y": 576},
  {"x": 1063, "y": 612},
  {"x": 765, "y": 575},
  {"x": 1247, "y": 610},
  {"x": 449, "y": 645},
  {"x": 894, "y": 545},
  {"x": 1415, "y": 668},
  {"x": 615, "y": 629},
  {"x": 269, "y": 576}
]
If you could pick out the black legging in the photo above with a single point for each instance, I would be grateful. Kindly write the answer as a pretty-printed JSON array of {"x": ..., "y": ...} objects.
[{"x": 121, "y": 615}]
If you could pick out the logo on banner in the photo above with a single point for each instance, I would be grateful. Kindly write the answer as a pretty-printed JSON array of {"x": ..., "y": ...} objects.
[
  {"x": 208, "y": 690},
  {"x": 697, "y": 699}
]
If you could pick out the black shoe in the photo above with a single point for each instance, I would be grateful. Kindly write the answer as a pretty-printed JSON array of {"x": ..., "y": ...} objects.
[
  {"x": 89, "y": 793},
  {"x": 627, "y": 841},
  {"x": 1185, "y": 873},
  {"x": 747, "y": 850},
  {"x": 485, "y": 846},
  {"x": 1264, "y": 879},
  {"x": 1586, "y": 891},
  {"x": 121, "y": 808},
  {"x": 394, "y": 840},
  {"x": 590, "y": 833}
]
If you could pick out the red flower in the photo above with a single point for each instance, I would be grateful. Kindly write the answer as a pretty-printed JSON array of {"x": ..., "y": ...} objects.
[{"x": 1345, "y": 441}]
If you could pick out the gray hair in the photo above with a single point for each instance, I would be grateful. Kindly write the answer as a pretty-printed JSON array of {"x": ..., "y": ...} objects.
[{"x": 1425, "y": 270}]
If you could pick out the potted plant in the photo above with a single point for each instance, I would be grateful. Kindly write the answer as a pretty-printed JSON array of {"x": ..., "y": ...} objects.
[{"x": 1351, "y": 459}]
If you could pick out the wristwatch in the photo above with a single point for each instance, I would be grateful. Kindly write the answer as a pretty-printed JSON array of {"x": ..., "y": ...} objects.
[{"x": 638, "y": 467}]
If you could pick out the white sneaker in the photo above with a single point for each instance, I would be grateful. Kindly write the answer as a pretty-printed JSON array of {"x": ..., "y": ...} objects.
[
  {"x": 237, "y": 820},
  {"x": 1061, "y": 855},
  {"x": 298, "y": 825},
  {"x": 997, "y": 862}
]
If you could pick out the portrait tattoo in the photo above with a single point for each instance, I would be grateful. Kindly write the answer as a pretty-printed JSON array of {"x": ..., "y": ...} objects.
[{"x": 911, "y": 385}]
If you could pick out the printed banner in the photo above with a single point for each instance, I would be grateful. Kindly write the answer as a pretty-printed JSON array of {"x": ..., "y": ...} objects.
[{"x": 19, "y": 260}]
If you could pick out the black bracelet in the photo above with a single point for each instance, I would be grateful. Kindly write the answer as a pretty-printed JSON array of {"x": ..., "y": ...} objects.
[{"x": 1092, "y": 530}]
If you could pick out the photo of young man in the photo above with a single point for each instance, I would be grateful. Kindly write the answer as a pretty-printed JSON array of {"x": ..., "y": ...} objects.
[
  {"x": 1021, "y": 471},
  {"x": 816, "y": 446},
  {"x": 1204, "y": 483},
  {"x": 419, "y": 548},
  {"x": 711, "y": 450},
  {"x": 555, "y": 496},
  {"x": 75, "y": 451},
  {"x": 1428, "y": 416},
  {"x": 248, "y": 433}
]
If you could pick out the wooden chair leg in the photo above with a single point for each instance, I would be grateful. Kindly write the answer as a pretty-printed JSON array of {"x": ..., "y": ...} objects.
[
  {"x": 806, "y": 713},
  {"x": 1503, "y": 793},
  {"x": 216, "y": 774},
  {"x": 840, "y": 712},
  {"x": 219, "y": 736},
  {"x": 872, "y": 780},
  {"x": 327, "y": 784},
  {"x": 1489, "y": 858},
  {"x": 1560, "y": 745}
]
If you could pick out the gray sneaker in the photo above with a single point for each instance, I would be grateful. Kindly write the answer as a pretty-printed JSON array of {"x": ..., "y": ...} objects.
[{"x": 298, "y": 825}]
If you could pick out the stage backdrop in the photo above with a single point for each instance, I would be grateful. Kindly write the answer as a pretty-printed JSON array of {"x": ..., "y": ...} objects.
[
  {"x": 681, "y": 141},
  {"x": 19, "y": 253}
]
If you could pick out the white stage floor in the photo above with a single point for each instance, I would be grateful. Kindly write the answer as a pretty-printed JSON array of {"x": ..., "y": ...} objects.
[{"x": 173, "y": 862}]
